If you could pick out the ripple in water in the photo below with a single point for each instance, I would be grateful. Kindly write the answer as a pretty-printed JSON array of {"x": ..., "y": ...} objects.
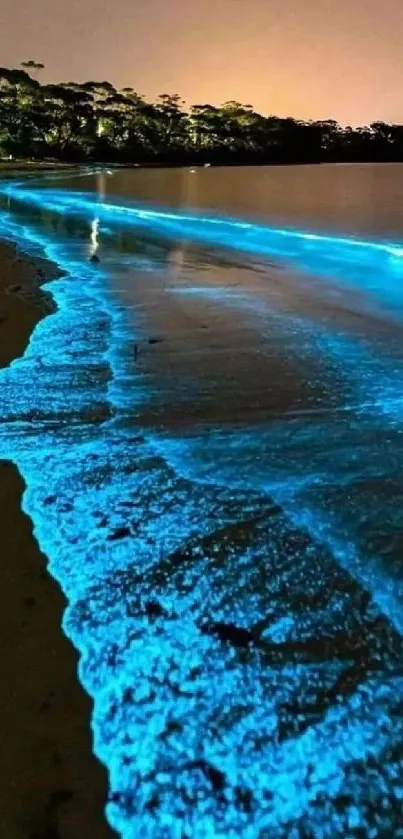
[{"x": 239, "y": 632}]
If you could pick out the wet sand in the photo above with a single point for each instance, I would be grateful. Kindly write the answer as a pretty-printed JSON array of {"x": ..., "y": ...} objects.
[
  {"x": 223, "y": 625},
  {"x": 51, "y": 785}
]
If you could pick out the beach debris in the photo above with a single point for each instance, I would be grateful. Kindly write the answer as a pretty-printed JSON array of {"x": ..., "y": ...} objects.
[
  {"x": 154, "y": 340},
  {"x": 94, "y": 258}
]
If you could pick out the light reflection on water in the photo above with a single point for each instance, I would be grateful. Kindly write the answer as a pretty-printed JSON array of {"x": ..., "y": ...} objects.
[{"x": 222, "y": 510}]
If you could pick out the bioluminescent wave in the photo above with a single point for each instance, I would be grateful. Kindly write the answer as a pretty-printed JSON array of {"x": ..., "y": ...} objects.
[
  {"x": 376, "y": 266},
  {"x": 234, "y": 588}
]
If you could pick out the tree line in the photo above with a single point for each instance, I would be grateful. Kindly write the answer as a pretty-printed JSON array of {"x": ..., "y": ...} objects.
[{"x": 93, "y": 121}]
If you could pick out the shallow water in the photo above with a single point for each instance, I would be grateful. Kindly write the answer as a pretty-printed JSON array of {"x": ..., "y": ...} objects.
[{"x": 210, "y": 429}]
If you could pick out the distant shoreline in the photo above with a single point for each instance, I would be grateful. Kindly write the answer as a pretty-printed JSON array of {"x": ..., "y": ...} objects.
[{"x": 16, "y": 167}]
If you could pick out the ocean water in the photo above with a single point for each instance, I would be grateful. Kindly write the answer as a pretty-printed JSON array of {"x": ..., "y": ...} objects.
[{"x": 210, "y": 430}]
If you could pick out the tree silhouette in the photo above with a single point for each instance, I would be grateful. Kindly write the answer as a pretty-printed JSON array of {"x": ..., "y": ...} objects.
[
  {"x": 32, "y": 66},
  {"x": 94, "y": 121}
]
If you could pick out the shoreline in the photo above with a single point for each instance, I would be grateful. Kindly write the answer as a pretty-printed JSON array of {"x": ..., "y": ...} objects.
[
  {"x": 51, "y": 784},
  {"x": 206, "y": 559}
]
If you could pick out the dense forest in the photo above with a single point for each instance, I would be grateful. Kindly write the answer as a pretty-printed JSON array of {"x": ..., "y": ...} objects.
[{"x": 95, "y": 122}]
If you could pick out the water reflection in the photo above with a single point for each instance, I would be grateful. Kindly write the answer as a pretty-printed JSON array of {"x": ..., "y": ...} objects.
[
  {"x": 94, "y": 240},
  {"x": 360, "y": 199}
]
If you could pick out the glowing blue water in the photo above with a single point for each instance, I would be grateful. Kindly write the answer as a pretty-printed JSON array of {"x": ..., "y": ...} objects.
[{"x": 245, "y": 682}]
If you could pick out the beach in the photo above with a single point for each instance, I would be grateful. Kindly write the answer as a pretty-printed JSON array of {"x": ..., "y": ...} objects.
[
  {"x": 51, "y": 785},
  {"x": 211, "y": 445}
]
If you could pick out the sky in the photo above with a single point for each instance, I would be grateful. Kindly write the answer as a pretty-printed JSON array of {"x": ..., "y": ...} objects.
[{"x": 311, "y": 59}]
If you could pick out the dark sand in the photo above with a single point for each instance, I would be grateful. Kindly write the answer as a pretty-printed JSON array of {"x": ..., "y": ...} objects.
[{"x": 51, "y": 785}]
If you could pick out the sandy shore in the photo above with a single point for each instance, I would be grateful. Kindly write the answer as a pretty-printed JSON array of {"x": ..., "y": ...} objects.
[{"x": 51, "y": 785}]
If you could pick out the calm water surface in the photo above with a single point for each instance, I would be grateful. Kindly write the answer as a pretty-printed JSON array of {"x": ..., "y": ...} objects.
[
  {"x": 211, "y": 433},
  {"x": 354, "y": 198}
]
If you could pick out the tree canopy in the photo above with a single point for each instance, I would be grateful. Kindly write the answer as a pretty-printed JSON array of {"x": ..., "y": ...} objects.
[{"x": 93, "y": 121}]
